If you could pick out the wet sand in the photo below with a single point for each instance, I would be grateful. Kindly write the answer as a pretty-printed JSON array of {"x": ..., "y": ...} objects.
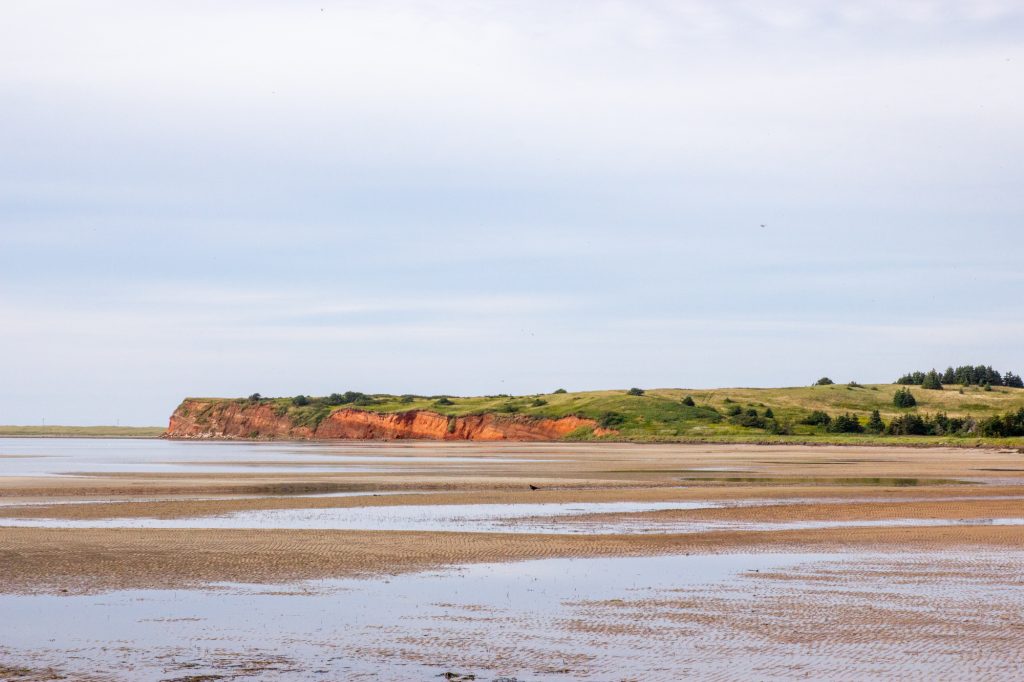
[{"x": 735, "y": 484}]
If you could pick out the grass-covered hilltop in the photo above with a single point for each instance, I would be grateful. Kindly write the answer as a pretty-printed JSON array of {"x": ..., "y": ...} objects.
[{"x": 827, "y": 412}]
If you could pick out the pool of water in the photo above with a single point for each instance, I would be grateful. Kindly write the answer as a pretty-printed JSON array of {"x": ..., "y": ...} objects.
[
  {"x": 592, "y": 518},
  {"x": 91, "y": 456},
  {"x": 650, "y": 618}
]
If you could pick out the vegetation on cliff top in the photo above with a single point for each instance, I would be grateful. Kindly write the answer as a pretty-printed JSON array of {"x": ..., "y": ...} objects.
[{"x": 820, "y": 413}]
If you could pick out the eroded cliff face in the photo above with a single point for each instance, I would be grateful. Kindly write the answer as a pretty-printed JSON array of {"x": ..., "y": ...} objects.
[{"x": 243, "y": 419}]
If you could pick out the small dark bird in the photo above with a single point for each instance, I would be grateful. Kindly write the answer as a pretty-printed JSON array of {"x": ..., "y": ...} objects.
[{"x": 533, "y": 487}]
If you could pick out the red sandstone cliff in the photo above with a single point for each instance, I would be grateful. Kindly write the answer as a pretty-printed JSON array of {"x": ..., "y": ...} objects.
[{"x": 242, "y": 419}]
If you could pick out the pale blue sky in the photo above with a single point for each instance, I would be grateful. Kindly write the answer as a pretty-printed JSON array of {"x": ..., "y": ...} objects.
[{"x": 219, "y": 198}]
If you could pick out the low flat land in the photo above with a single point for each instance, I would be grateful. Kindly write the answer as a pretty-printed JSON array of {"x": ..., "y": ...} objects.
[
  {"x": 11, "y": 431},
  {"x": 744, "y": 500}
]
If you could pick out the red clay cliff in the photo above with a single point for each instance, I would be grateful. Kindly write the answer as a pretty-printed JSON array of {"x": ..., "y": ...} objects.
[{"x": 228, "y": 419}]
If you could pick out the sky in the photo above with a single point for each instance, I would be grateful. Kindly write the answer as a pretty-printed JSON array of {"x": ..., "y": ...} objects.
[{"x": 216, "y": 199}]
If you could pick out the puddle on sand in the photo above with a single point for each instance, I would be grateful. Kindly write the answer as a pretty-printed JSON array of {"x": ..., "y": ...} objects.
[
  {"x": 721, "y": 616},
  {"x": 589, "y": 518}
]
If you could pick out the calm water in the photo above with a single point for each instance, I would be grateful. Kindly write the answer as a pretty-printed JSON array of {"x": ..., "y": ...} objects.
[
  {"x": 654, "y": 618},
  {"x": 69, "y": 456}
]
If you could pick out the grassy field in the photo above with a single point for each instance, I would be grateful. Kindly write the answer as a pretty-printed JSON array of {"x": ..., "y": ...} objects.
[
  {"x": 81, "y": 431},
  {"x": 661, "y": 415}
]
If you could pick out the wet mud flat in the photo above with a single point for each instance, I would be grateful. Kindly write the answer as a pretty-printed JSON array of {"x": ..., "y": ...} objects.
[
  {"x": 730, "y": 616},
  {"x": 384, "y": 561}
]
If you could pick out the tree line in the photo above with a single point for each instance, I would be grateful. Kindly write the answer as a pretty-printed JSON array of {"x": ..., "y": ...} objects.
[{"x": 967, "y": 375}]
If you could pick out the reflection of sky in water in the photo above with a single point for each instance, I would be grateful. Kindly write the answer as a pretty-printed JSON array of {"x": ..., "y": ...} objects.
[
  {"x": 51, "y": 456},
  {"x": 550, "y": 518},
  {"x": 547, "y": 619},
  {"x": 334, "y": 625}
]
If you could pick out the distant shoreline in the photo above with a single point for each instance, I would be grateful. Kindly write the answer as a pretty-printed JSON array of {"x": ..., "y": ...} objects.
[{"x": 10, "y": 431}]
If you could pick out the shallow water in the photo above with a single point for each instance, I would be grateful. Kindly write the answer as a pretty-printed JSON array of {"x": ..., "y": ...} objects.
[
  {"x": 84, "y": 456},
  {"x": 651, "y": 618},
  {"x": 549, "y": 518}
]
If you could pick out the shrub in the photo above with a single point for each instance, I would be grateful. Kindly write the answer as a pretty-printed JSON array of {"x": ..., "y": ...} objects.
[
  {"x": 538, "y": 402},
  {"x": 824, "y": 381},
  {"x": 407, "y": 398},
  {"x": 904, "y": 398},
  {"x": 733, "y": 411},
  {"x": 635, "y": 391},
  {"x": 986, "y": 387},
  {"x": 560, "y": 390},
  {"x": 300, "y": 400},
  {"x": 610, "y": 420},
  {"x": 854, "y": 384},
  {"x": 688, "y": 401},
  {"x": 817, "y": 418},
  {"x": 255, "y": 397},
  {"x": 768, "y": 414},
  {"x": 443, "y": 400},
  {"x": 335, "y": 399}
]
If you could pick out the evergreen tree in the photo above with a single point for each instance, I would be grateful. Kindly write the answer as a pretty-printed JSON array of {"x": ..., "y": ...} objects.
[
  {"x": 769, "y": 414},
  {"x": 1013, "y": 380},
  {"x": 904, "y": 398},
  {"x": 932, "y": 381},
  {"x": 688, "y": 401},
  {"x": 875, "y": 423},
  {"x": 949, "y": 376}
]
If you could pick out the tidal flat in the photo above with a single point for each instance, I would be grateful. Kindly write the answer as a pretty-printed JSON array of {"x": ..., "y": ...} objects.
[{"x": 155, "y": 560}]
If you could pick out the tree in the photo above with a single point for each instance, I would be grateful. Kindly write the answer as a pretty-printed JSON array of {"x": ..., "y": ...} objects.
[
  {"x": 688, "y": 401},
  {"x": 875, "y": 423},
  {"x": 824, "y": 381},
  {"x": 300, "y": 400},
  {"x": 407, "y": 398},
  {"x": 904, "y": 398},
  {"x": 949, "y": 376},
  {"x": 560, "y": 390},
  {"x": 768, "y": 414},
  {"x": 932, "y": 381},
  {"x": 255, "y": 397},
  {"x": 538, "y": 402},
  {"x": 635, "y": 391},
  {"x": 846, "y": 423},
  {"x": 1013, "y": 380},
  {"x": 335, "y": 399},
  {"x": 443, "y": 400}
]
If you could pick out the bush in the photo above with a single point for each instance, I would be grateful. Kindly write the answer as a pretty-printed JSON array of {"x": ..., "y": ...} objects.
[
  {"x": 733, "y": 411},
  {"x": 610, "y": 420},
  {"x": 635, "y": 391},
  {"x": 854, "y": 384},
  {"x": 335, "y": 399},
  {"x": 817, "y": 418},
  {"x": 824, "y": 381},
  {"x": 407, "y": 398},
  {"x": 768, "y": 414},
  {"x": 300, "y": 400},
  {"x": 904, "y": 398},
  {"x": 255, "y": 397},
  {"x": 443, "y": 400},
  {"x": 560, "y": 390},
  {"x": 688, "y": 401},
  {"x": 538, "y": 402},
  {"x": 748, "y": 418}
]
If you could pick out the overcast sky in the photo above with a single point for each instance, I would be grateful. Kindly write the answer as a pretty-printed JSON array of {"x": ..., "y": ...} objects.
[{"x": 202, "y": 198}]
